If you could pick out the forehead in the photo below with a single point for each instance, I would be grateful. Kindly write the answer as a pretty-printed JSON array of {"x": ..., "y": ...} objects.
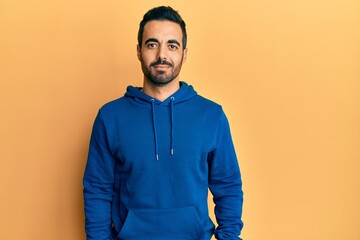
[{"x": 162, "y": 30}]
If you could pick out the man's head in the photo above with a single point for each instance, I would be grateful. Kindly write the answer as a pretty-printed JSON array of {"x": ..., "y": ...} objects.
[
  {"x": 162, "y": 45},
  {"x": 163, "y": 13}
]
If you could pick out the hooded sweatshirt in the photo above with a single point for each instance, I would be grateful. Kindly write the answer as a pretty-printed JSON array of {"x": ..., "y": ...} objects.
[{"x": 150, "y": 166}]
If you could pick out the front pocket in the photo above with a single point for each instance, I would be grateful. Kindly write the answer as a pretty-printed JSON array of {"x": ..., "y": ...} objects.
[{"x": 162, "y": 224}]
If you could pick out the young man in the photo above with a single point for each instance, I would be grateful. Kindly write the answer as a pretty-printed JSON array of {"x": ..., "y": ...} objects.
[{"x": 155, "y": 152}]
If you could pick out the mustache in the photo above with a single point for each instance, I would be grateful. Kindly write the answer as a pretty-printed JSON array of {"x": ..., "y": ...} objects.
[{"x": 160, "y": 62}]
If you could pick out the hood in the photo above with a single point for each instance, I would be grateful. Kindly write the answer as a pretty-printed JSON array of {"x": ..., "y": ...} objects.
[{"x": 185, "y": 93}]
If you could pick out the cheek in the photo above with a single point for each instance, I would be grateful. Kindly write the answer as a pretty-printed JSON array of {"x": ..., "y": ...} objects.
[
  {"x": 143, "y": 60},
  {"x": 179, "y": 59},
  {"x": 147, "y": 59}
]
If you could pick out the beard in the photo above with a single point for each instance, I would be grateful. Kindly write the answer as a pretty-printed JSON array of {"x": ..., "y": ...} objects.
[{"x": 161, "y": 77}]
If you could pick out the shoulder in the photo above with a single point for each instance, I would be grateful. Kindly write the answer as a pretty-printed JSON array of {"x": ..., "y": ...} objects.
[
  {"x": 114, "y": 106},
  {"x": 208, "y": 104}
]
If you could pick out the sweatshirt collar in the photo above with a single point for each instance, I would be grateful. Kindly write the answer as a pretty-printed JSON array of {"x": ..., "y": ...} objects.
[{"x": 185, "y": 92}]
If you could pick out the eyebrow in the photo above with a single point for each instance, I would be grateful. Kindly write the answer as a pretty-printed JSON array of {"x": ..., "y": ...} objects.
[
  {"x": 151, "y": 40},
  {"x": 157, "y": 41},
  {"x": 175, "y": 42}
]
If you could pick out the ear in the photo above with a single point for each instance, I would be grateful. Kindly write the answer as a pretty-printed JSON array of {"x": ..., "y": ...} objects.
[
  {"x": 184, "y": 55},
  {"x": 138, "y": 52}
]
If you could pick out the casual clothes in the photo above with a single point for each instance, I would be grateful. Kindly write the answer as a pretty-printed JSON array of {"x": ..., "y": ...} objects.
[{"x": 150, "y": 165}]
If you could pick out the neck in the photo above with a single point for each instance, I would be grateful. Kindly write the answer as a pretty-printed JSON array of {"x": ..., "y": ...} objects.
[{"x": 160, "y": 92}]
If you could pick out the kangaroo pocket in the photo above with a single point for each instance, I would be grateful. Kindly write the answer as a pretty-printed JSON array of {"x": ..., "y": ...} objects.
[{"x": 162, "y": 224}]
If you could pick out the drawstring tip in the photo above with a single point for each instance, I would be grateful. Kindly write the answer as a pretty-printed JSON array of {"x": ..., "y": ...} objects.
[
  {"x": 172, "y": 151},
  {"x": 157, "y": 156}
]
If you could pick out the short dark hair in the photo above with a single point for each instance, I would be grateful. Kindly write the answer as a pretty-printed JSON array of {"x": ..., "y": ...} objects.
[{"x": 162, "y": 13}]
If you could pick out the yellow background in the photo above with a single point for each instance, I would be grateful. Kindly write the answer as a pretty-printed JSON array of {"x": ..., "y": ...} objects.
[{"x": 286, "y": 72}]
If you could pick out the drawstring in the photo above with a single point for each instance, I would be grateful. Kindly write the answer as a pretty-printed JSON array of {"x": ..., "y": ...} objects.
[
  {"x": 172, "y": 125},
  {"x": 154, "y": 126}
]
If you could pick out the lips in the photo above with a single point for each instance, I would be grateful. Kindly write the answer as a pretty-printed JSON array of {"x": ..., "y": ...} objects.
[{"x": 161, "y": 64}]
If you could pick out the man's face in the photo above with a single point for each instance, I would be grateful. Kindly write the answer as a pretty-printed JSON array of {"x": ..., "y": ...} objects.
[{"x": 161, "y": 52}]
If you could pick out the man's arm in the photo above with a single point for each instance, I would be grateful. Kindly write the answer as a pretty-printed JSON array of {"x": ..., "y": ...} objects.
[
  {"x": 98, "y": 184},
  {"x": 225, "y": 184}
]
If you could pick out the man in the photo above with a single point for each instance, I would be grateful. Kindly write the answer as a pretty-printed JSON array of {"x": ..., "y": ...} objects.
[{"x": 155, "y": 152}]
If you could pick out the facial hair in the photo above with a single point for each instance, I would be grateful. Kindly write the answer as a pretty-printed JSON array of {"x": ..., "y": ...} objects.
[{"x": 161, "y": 78}]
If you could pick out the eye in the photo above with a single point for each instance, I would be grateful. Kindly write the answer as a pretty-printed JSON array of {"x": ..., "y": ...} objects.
[
  {"x": 152, "y": 45},
  {"x": 173, "y": 47}
]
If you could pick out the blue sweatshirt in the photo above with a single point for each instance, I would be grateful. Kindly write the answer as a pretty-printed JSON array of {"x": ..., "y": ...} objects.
[{"x": 150, "y": 166}]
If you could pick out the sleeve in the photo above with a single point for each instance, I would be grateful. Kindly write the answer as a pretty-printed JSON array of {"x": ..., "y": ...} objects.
[
  {"x": 225, "y": 184},
  {"x": 98, "y": 184}
]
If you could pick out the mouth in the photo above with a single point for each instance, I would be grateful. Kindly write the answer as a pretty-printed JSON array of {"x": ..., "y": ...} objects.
[{"x": 161, "y": 64}]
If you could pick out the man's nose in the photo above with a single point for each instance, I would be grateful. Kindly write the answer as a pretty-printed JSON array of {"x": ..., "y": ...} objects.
[{"x": 162, "y": 53}]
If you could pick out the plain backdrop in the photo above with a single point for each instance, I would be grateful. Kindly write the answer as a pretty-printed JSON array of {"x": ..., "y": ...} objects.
[{"x": 286, "y": 72}]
